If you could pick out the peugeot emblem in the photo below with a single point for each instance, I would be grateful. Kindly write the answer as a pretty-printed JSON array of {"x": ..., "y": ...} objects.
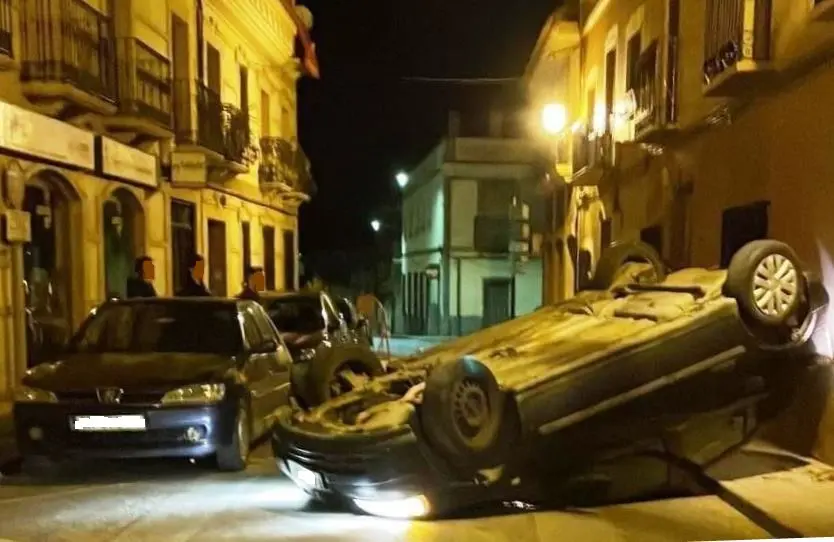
[{"x": 111, "y": 396}]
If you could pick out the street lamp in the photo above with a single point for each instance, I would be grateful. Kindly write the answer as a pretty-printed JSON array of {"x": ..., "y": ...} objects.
[
  {"x": 554, "y": 118},
  {"x": 402, "y": 179},
  {"x": 376, "y": 224}
]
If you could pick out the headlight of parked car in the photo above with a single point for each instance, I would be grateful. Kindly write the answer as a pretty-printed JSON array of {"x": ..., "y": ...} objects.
[
  {"x": 198, "y": 394},
  {"x": 25, "y": 394}
]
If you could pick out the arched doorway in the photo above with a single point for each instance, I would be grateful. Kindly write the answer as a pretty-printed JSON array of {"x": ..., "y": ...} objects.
[
  {"x": 123, "y": 238},
  {"x": 48, "y": 266}
]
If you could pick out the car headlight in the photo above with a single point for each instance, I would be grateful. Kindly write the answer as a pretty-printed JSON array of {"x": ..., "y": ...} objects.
[
  {"x": 198, "y": 394},
  {"x": 25, "y": 394},
  {"x": 305, "y": 354}
]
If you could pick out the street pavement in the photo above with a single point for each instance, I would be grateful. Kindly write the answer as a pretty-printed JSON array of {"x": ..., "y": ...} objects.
[{"x": 177, "y": 502}]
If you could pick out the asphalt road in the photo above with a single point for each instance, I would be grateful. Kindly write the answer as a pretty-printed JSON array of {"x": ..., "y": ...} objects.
[{"x": 178, "y": 501}]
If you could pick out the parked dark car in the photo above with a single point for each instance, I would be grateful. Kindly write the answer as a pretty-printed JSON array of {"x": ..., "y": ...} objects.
[
  {"x": 519, "y": 410},
  {"x": 357, "y": 324},
  {"x": 184, "y": 377},
  {"x": 329, "y": 358}
]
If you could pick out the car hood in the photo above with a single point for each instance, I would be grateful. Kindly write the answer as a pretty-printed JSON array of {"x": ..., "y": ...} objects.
[{"x": 128, "y": 371}]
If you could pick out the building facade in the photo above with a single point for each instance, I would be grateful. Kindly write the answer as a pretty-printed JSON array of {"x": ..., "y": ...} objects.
[
  {"x": 469, "y": 251},
  {"x": 126, "y": 129},
  {"x": 694, "y": 125}
]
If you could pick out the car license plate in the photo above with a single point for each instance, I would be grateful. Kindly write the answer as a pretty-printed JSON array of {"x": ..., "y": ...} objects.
[{"x": 109, "y": 423}]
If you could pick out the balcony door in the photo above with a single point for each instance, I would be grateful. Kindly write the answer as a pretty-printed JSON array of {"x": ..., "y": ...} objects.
[
  {"x": 181, "y": 52},
  {"x": 213, "y": 69},
  {"x": 218, "y": 282}
]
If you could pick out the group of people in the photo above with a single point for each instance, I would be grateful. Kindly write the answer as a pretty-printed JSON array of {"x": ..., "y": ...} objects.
[{"x": 141, "y": 284}]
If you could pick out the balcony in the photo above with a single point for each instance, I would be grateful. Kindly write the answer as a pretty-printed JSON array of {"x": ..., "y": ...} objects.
[
  {"x": 284, "y": 167},
  {"x": 68, "y": 65},
  {"x": 222, "y": 130},
  {"x": 593, "y": 155},
  {"x": 6, "y": 25},
  {"x": 655, "y": 115},
  {"x": 737, "y": 47},
  {"x": 144, "y": 78},
  {"x": 492, "y": 234}
]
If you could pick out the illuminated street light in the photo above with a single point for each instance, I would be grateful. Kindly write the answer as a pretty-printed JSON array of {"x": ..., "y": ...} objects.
[
  {"x": 554, "y": 118},
  {"x": 376, "y": 224},
  {"x": 402, "y": 179}
]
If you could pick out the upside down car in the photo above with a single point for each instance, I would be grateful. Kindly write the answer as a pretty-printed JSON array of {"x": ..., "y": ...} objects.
[{"x": 523, "y": 408}]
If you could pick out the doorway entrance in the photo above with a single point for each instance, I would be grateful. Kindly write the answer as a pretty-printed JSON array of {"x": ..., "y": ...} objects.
[
  {"x": 48, "y": 266},
  {"x": 217, "y": 258},
  {"x": 497, "y": 299},
  {"x": 289, "y": 260},
  {"x": 123, "y": 238}
]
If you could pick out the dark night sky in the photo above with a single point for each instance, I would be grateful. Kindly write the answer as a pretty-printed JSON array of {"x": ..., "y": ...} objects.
[{"x": 361, "y": 123}]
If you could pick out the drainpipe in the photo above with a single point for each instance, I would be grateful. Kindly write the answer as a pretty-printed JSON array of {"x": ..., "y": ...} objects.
[{"x": 460, "y": 284}]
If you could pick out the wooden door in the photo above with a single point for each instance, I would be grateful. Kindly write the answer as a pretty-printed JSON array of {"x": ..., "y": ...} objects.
[{"x": 218, "y": 282}]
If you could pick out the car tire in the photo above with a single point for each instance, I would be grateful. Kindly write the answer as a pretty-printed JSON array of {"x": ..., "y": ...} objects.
[
  {"x": 235, "y": 456},
  {"x": 466, "y": 416},
  {"x": 766, "y": 280},
  {"x": 617, "y": 255},
  {"x": 324, "y": 372}
]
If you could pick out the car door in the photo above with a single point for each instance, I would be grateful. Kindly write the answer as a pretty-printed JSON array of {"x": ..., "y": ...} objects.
[
  {"x": 256, "y": 371},
  {"x": 278, "y": 363}
]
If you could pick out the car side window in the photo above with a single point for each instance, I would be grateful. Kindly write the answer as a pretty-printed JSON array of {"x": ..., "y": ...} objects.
[
  {"x": 344, "y": 310},
  {"x": 251, "y": 331},
  {"x": 332, "y": 313},
  {"x": 264, "y": 323}
]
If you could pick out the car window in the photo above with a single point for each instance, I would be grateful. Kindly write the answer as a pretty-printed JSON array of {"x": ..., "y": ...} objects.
[
  {"x": 345, "y": 310},
  {"x": 262, "y": 321},
  {"x": 250, "y": 329},
  {"x": 332, "y": 313},
  {"x": 161, "y": 327},
  {"x": 296, "y": 314}
]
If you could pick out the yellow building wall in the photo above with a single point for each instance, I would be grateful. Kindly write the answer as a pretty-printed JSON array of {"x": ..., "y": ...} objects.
[{"x": 243, "y": 200}]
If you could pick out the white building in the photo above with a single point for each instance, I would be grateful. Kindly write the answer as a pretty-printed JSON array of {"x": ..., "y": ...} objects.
[{"x": 462, "y": 211}]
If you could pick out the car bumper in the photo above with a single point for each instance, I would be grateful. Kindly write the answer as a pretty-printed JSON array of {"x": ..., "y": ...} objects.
[
  {"x": 45, "y": 430},
  {"x": 392, "y": 467}
]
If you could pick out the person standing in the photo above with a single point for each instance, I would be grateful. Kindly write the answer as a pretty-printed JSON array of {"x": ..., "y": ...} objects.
[
  {"x": 141, "y": 284},
  {"x": 255, "y": 283},
  {"x": 194, "y": 284}
]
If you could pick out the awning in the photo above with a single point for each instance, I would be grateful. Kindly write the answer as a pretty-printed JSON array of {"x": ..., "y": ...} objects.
[{"x": 310, "y": 63}]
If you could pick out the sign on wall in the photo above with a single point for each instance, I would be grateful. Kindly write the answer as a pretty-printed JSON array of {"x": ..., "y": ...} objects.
[
  {"x": 45, "y": 138},
  {"x": 128, "y": 163},
  {"x": 17, "y": 227}
]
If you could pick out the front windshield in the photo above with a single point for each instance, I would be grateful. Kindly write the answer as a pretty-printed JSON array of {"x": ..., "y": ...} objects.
[
  {"x": 297, "y": 314},
  {"x": 161, "y": 327}
]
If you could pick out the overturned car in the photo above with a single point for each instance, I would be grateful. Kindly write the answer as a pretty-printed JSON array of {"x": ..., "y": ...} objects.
[{"x": 524, "y": 409}]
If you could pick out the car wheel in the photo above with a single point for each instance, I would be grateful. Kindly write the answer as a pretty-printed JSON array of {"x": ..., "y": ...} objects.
[
  {"x": 465, "y": 415},
  {"x": 235, "y": 455},
  {"x": 335, "y": 377},
  {"x": 766, "y": 280},
  {"x": 615, "y": 257}
]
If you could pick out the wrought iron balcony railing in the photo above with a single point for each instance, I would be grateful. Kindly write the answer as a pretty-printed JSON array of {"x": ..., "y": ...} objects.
[
  {"x": 67, "y": 41},
  {"x": 6, "y": 27},
  {"x": 735, "y": 30},
  {"x": 282, "y": 162},
  {"x": 144, "y": 81},
  {"x": 209, "y": 119},
  {"x": 237, "y": 136}
]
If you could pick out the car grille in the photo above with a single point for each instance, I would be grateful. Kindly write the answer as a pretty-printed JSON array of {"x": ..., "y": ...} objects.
[
  {"x": 127, "y": 439},
  {"x": 128, "y": 398},
  {"x": 348, "y": 463}
]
